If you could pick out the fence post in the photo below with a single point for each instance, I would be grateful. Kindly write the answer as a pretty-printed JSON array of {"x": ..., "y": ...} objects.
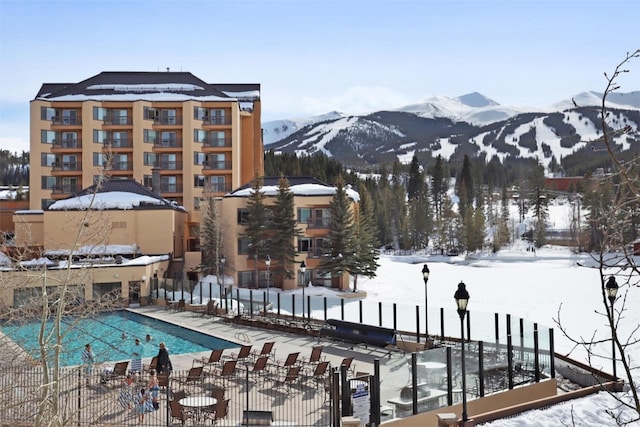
[
  {"x": 250, "y": 302},
  {"x": 325, "y": 307},
  {"x": 481, "y": 367},
  {"x": 449, "y": 376},
  {"x": 278, "y": 301},
  {"x": 414, "y": 382},
  {"x": 418, "y": 324},
  {"x": 536, "y": 358},
  {"x": 374, "y": 386},
  {"x": 395, "y": 317},
  {"x": 468, "y": 326},
  {"x": 341, "y": 309},
  {"x": 441, "y": 324},
  {"x": 552, "y": 361},
  {"x": 346, "y": 392},
  {"x": 80, "y": 394},
  {"x": 360, "y": 310},
  {"x": 379, "y": 316}
]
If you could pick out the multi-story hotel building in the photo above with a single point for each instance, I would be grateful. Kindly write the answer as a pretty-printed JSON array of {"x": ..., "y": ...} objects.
[{"x": 169, "y": 131}]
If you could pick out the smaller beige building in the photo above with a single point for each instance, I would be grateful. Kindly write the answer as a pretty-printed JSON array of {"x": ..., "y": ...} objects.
[{"x": 312, "y": 199}]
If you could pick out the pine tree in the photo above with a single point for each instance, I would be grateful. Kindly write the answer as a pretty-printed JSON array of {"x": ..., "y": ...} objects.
[
  {"x": 284, "y": 232},
  {"x": 211, "y": 234},
  {"x": 439, "y": 185},
  {"x": 366, "y": 255},
  {"x": 256, "y": 224},
  {"x": 464, "y": 188},
  {"x": 339, "y": 252},
  {"x": 416, "y": 179}
]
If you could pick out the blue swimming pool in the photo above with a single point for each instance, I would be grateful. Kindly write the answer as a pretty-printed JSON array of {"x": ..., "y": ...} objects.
[{"x": 105, "y": 333}]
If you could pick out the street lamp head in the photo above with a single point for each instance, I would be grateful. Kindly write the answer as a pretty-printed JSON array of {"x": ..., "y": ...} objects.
[
  {"x": 612, "y": 289},
  {"x": 303, "y": 267},
  {"x": 222, "y": 259},
  {"x": 462, "y": 299},
  {"x": 267, "y": 261},
  {"x": 425, "y": 273}
]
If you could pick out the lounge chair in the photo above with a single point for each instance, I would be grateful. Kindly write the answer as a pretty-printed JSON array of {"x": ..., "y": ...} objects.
[
  {"x": 228, "y": 370},
  {"x": 214, "y": 359},
  {"x": 316, "y": 355},
  {"x": 319, "y": 374},
  {"x": 245, "y": 352},
  {"x": 119, "y": 371},
  {"x": 291, "y": 360},
  {"x": 267, "y": 350},
  {"x": 153, "y": 365},
  {"x": 287, "y": 381},
  {"x": 194, "y": 376}
]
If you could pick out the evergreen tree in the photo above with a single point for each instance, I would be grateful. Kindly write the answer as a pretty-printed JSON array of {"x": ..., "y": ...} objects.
[
  {"x": 211, "y": 233},
  {"x": 398, "y": 203},
  {"x": 284, "y": 233},
  {"x": 256, "y": 223},
  {"x": 439, "y": 185},
  {"x": 420, "y": 219},
  {"x": 464, "y": 188},
  {"x": 366, "y": 255},
  {"x": 416, "y": 179},
  {"x": 339, "y": 252}
]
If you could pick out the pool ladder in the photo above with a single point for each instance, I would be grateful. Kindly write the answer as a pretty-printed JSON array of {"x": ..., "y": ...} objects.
[{"x": 242, "y": 336}]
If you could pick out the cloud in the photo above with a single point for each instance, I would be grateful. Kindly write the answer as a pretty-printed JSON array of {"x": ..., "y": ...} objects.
[{"x": 14, "y": 144}]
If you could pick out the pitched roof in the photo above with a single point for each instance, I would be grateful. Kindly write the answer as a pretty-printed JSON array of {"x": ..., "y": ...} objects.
[
  {"x": 275, "y": 180},
  {"x": 144, "y": 82}
]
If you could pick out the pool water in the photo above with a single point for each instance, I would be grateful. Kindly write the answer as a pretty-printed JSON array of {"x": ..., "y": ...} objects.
[{"x": 112, "y": 337}]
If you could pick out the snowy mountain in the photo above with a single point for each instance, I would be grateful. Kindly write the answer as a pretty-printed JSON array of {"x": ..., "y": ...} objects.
[
  {"x": 469, "y": 124},
  {"x": 279, "y": 129}
]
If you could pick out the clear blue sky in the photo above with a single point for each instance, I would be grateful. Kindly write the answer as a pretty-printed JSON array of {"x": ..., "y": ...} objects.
[{"x": 313, "y": 56}]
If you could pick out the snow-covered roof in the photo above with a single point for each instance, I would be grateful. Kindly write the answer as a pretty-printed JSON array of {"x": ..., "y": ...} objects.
[
  {"x": 299, "y": 190},
  {"x": 110, "y": 200}
]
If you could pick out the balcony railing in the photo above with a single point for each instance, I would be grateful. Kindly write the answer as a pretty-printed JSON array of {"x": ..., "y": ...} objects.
[
  {"x": 118, "y": 121},
  {"x": 318, "y": 223},
  {"x": 117, "y": 143},
  {"x": 66, "y": 166},
  {"x": 168, "y": 121},
  {"x": 119, "y": 166},
  {"x": 66, "y": 189},
  {"x": 170, "y": 165},
  {"x": 66, "y": 121},
  {"x": 218, "y": 188},
  {"x": 168, "y": 143},
  {"x": 171, "y": 188},
  {"x": 217, "y": 121},
  {"x": 67, "y": 143},
  {"x": 216, "y": 142},
  {"x": 217, "y": 165}
]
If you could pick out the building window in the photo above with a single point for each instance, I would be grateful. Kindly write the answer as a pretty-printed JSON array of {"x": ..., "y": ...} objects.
[
  {"x": 198, "y": 180},
  {"x": 48, "y": 182},
  {"x": 304, "y": 244},
  {"x": 200, "y": 113},
  {"x": 218, "y": 116},
  {"x": 47, "y": 113},
  {"x": 169, "y": 184},
  {"x": 45, "y": 203},
  {"x": 150, "y": 136},
  {"x": 168, "y": 117},
  {"x": 99, "y": 159},
  {"x": 199, "y": 135},
  {"x": 99, "y": 113},
  {"x": 149, "y": 159},
  {"x": 47, "y": 136},
  {"x": 243, "y": 216},
  {"x": 47, "y": 159},
  {"x": 99, "y": 136},
  {"x": 147, "y": 181},
  {"x": 218, "y": 184},
  {"x": 150, "y": 113},
  {"x": 304, "y": 215},
  {"x": 245, "y": 279},
  {"x": 199, "y": 158},
  {"x": 243, "y": 245}
]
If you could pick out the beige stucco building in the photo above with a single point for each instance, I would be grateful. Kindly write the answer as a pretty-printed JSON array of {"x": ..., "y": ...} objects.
[{"x": 170, "y": 131}]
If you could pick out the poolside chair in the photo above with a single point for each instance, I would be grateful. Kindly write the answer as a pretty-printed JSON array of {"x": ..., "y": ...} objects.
[
  {"x": 218, "y": 394},
  {"x": 348, "y": 362},
  {"x": 228, "y": 370},
  {"x": 211, "y": 308},
  {"x": 193, "y": 377},
  {"x": 319, "y": 374},
  {"x": 177, "y": 395},
  {"x": 214, "y": 359},
  {"x": 220, "y": 410},
  {"x": 316, "y": 355},
  {"x": 260, "y": 364},
  {"x": 288, "y": 380},
  {"x": 119, "y": 371},
  {"x": 152, "y": 365},
  {"x": 163, "y": 380},
  {"x": 177, "y": 411},
  {"x": 245, "y": 352},
  {"x": 267, "y": 350},
  {"x": 291, "y": 360}
]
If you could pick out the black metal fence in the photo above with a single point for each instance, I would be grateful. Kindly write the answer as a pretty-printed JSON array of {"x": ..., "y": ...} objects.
[{"x": 294, "y": 397}]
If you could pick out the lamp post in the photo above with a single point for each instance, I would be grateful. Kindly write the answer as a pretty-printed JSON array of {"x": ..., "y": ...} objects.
[
  {"x": 303, "y": 269},
  {"x": 612, "y": 291},
  {"x": 425, "y": 277},
  {"x": 462, "y": 299},
  {"x": 268, "y": 263}
]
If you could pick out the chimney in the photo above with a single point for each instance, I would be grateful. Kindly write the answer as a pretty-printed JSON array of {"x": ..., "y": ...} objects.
[{"x": 167, "y": 69}]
